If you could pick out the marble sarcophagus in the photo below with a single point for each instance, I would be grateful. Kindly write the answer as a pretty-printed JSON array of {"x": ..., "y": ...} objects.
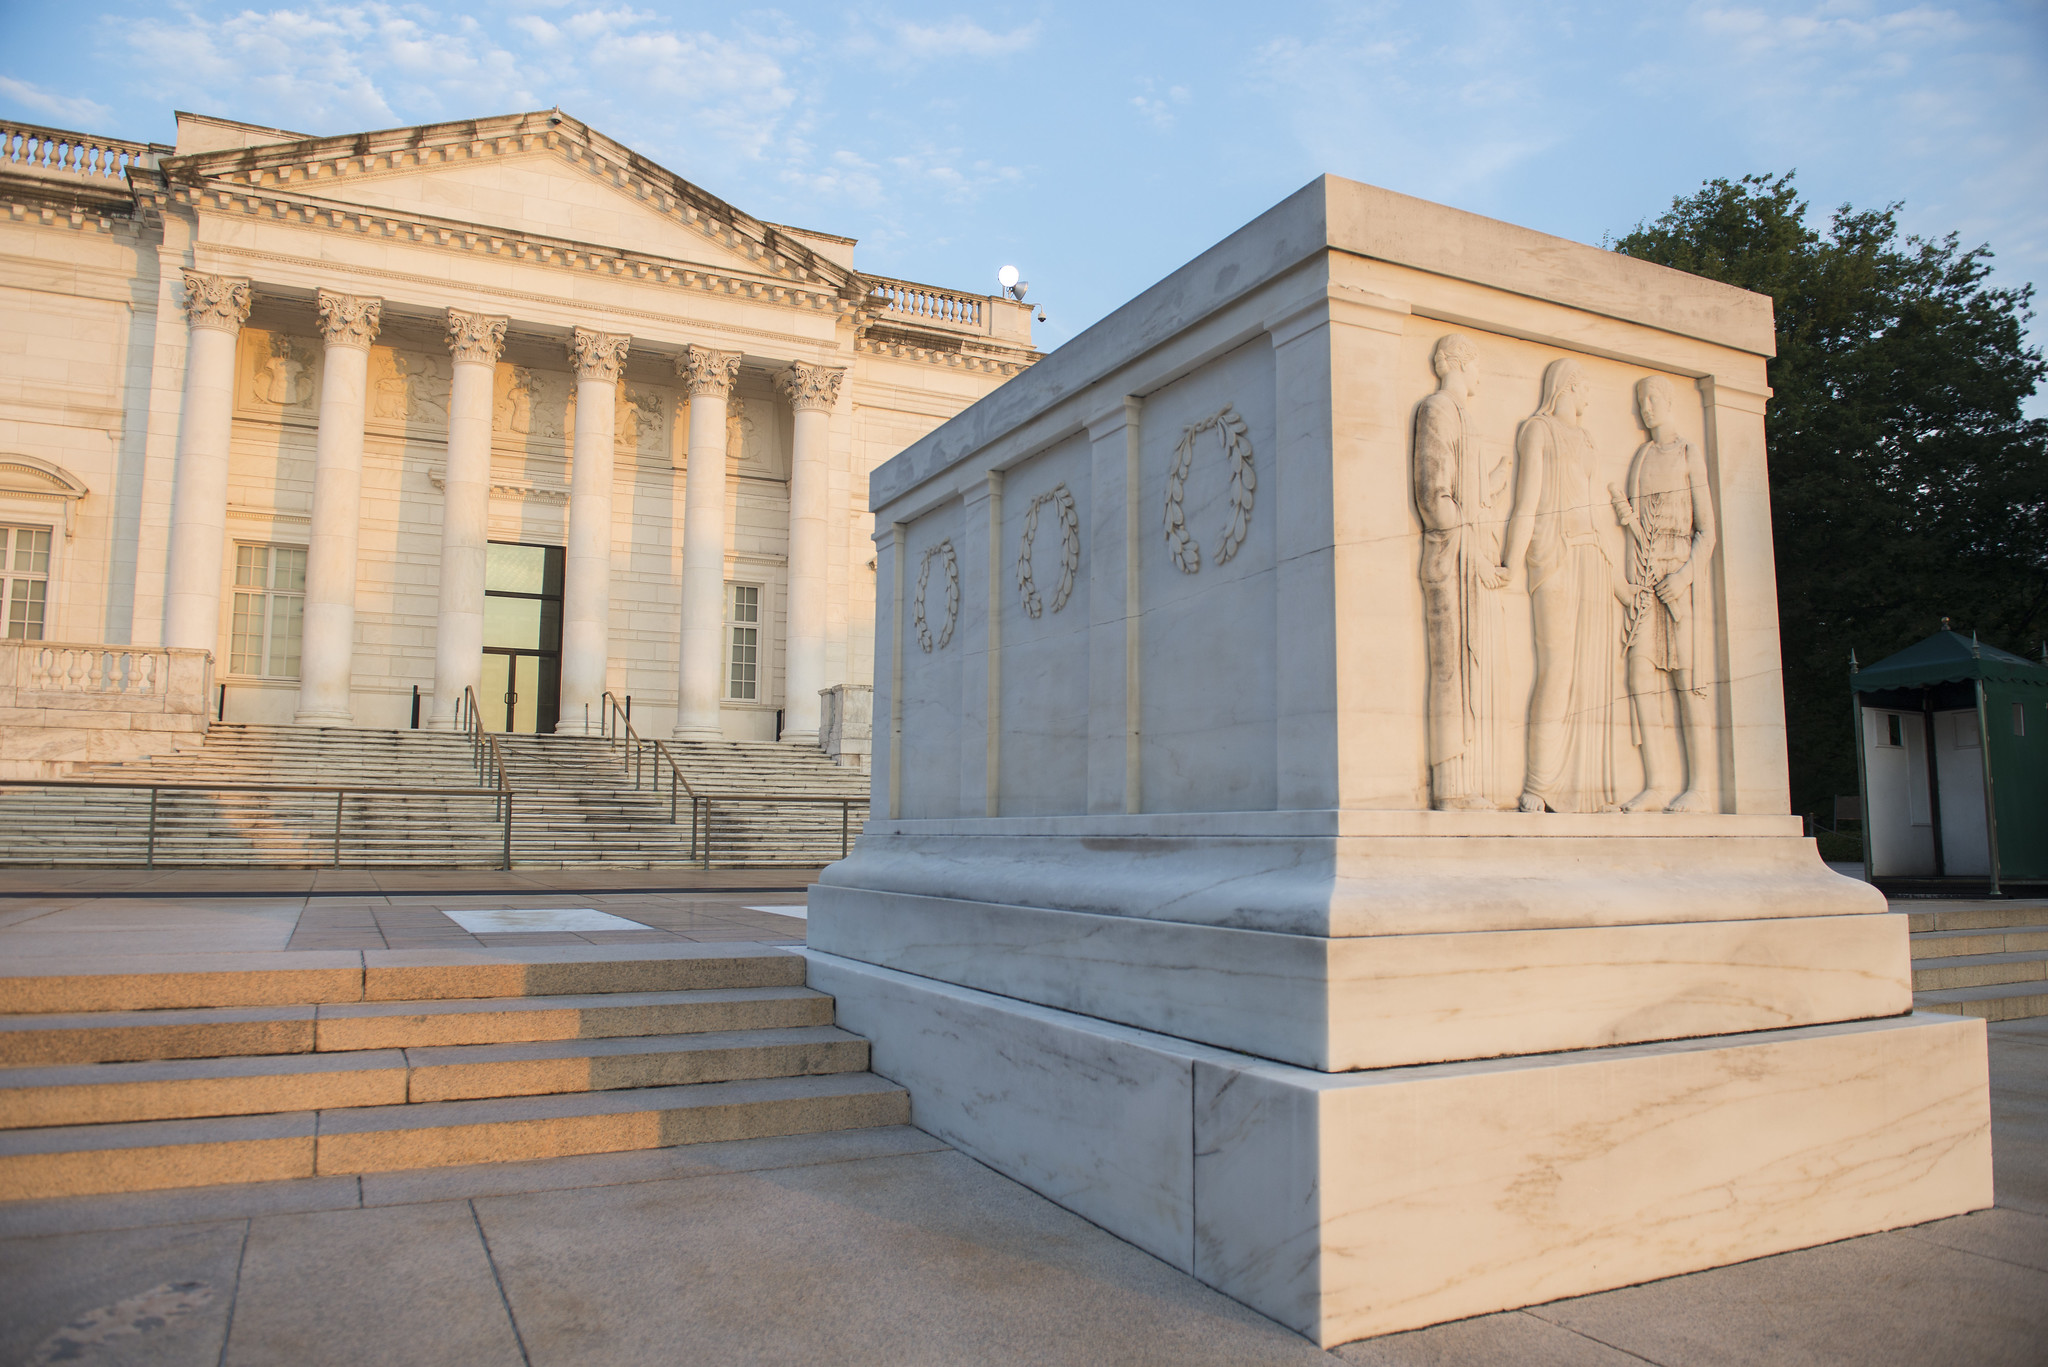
[{"x": 1331, "y": 796}]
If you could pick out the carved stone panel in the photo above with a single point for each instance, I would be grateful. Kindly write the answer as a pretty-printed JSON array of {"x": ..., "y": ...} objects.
[{"x": 279, "y": 376}]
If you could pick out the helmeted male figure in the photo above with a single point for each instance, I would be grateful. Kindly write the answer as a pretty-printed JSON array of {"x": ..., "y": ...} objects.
[
  {"x": 1668, "y": 514},
  {"x": 1455, "y": 495}
]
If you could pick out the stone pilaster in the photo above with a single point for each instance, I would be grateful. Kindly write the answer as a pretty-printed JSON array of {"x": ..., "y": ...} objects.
[
  {"x": 709, "y": 376},
  {"x": 811, "y": 392},
  {"x": 215, "y": 308},
  {"x": 327, "y": 655},
  {"x": 474, "y": 340},
  {"x": 598, "y": 358}
]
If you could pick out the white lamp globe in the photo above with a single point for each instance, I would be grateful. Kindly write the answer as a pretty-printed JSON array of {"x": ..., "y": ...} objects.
[{"x": 1007, "y": 276}]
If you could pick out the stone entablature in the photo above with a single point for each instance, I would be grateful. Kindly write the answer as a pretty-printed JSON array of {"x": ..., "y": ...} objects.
[{"x": 289, "y": 251}]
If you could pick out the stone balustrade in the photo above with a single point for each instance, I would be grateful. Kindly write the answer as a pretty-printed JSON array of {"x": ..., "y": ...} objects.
[
  {"x": 847, "y": 724},
  {"x": 928, "y": 305},
  {"x": 67, "y": 703},
  {"x": 27, "y": 149}
]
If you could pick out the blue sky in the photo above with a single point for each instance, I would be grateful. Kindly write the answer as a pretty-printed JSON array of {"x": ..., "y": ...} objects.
[{"x": 1098, "y": 146}]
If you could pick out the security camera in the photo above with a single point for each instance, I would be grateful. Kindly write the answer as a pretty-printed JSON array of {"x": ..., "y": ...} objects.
[{"x": 1041, "y": 314}]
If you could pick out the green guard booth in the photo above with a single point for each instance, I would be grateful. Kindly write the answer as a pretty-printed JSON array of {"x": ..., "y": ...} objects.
[{"x": 1953, "y": 758}]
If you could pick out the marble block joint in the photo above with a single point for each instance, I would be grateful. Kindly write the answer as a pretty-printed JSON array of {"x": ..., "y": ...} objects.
[{"x": 1331, "y": 821}]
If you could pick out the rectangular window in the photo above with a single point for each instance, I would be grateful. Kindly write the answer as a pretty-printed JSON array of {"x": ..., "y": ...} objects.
[
  {"x": 270, "y": 604},
  {"x": 1894, "y": 730},
  {"x": 743, "y": 632},
  {"x": 2019, "y": 719},
  {"x": 25, "y": 581}
]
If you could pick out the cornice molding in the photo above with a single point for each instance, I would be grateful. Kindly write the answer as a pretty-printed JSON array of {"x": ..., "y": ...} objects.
[
  {"x": 546, "y": 493},
  {"x": 598, "y": 356},
  {"x": 348, "y": 320},
  {"x": 219, "y": 302}
]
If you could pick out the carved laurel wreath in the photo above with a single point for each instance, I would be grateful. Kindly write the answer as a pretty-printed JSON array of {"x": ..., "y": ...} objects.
[
  {"x": 942, "y": 552},
  {"x": 1237, "y": 450},
  {"x": 1070, "y": 550}
]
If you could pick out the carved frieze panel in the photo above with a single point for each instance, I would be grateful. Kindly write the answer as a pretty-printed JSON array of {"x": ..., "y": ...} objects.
[
  {"x": 279, "y": 376},
  {"x": 1564, "y": 560},
  {"x": 409, "y": 390}
]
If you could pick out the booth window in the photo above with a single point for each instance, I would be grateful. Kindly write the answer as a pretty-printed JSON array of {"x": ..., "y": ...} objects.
[
  {"x": 743, "y": 633},
  {"x": 270, "y": 606},
  {"x": 2019, "y": 719},
  {"x": 1894, "y": 731},
  {"x": 25, "y": 580}
]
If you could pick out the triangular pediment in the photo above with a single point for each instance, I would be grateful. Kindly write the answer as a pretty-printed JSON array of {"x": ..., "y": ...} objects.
[{"x": 541, "y": 174}]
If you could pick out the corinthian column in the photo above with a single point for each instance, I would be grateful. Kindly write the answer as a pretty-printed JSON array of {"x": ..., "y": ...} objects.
[
  {"x": 327, "y": 655},
  {"x": 215, "y": 307},
  {"x": 475, "y": 340},
  {"x": 587, "y": 577},
  {"x": 708, "y": 375},
  {"x": 811, "y": 391}
]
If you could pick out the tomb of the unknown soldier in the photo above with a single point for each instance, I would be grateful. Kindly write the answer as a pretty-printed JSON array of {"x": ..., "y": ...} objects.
[{"x": 1330, "y": 795}]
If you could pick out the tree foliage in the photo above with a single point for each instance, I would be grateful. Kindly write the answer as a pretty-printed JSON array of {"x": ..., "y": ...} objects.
[{"x": 1906, "y": 484}]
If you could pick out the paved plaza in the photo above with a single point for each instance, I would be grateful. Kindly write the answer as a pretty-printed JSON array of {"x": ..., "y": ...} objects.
[{"x": 875, "y": 1246}]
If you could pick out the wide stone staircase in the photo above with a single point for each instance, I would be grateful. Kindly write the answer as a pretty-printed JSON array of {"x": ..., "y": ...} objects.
[
  {"x": 256, "y": 1067},
  {"x": 420, "y": 799},
  {"x": 1987, "y": 959}
]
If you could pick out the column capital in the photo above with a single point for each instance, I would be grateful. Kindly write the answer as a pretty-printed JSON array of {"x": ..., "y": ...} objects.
[
  {"x": 476, "y": 336},
  {"x": 598, "y": 355},
  {"x": 810, "y": 387},
  {"x": 707, "y": 371},
  {"x": 348, "y": 320},
  {"x": 216, "y": 301}
]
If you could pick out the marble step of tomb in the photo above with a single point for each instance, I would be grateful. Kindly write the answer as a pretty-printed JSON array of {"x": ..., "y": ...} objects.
[
  {"x": 579, "y": 802},
  {"x": 1989, "y": 961},
  {"x": 270, "y": 1066}
]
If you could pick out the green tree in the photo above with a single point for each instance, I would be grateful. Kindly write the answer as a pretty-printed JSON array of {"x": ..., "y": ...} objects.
[{"x": 1906, "y": 484}]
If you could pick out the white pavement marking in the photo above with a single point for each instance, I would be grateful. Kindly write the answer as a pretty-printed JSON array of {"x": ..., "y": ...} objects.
[
  {"x": 802, "y": 910},
  {"x": 506, "y": 919}
]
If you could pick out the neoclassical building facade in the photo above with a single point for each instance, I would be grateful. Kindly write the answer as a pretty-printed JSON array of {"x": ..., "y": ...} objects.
[{"x": 496, "y": 405}]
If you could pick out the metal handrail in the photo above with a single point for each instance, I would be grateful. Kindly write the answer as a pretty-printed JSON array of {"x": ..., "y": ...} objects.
[
  {"x": 616, "y": 725},
  {"x": 501, "y": 795},
  {"x": 846, "y": 806}
]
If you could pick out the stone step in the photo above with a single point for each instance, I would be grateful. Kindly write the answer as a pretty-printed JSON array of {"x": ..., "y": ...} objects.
[
  {"x": 1980, "y": 970},
  {"x": 1944, "y": 944},
  {"x": 2003, "y": 1002},
  {"x": 130, "y": 1036},
  {"x": 525, "y": 1020},
  {"x": 120, "y": 1093},
  {"x": 295, "y": 977},
  {"x": 1988, "y": 917},
  {"x": 153, "y": 1155}
]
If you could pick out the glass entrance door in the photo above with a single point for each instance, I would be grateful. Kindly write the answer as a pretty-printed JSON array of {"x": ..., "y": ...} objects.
[{"x": 522, "y": 674}]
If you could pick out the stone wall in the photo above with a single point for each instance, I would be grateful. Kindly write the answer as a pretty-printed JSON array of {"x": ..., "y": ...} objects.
[{"x": 66, "y": 705}]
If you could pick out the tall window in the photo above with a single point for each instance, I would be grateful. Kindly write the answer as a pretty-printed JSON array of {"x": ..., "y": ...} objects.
[
  {"x": 743, "y": 630},
  {"x": 270, "y": 606},
  {"x": 25, "y": 580}
]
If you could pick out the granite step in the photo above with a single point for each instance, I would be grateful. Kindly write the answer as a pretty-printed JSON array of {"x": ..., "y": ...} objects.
[
  {"x": 1980, "y": 970},
  {"x": 153, "y": 1155},
  {"x": 1992, "y": 917},
  {"x": 220, "y": 1032},
  {"x": 119, "y": 1093},
  {"x": 296, "y": 977},
  {"x": 2007, "y": 939},
  {"x": 2002, "y": 1002}
]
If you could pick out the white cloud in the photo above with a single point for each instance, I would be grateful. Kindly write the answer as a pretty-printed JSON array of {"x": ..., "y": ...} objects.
[
  {"x": 900, "y": 44},
  {"x": 71, "y": 109},
  {"x": 1158, "y": 109}
]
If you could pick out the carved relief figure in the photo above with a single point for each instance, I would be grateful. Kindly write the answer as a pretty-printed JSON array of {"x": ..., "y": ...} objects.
[
  {"x": 515, "y": 405},
  {"x": 1668, "y": 517},
  {"x": 285, "y": 376},
  {"x": 638, "y": 419},
  {"x": 1457, "y": 495},
  {"x": 1575, "y": 598},
  {"x": 408, "y": 388}
]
